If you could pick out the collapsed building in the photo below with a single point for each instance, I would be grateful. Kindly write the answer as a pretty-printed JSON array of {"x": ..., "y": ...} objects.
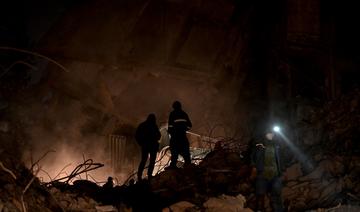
[{"x": 77, "y": 77}]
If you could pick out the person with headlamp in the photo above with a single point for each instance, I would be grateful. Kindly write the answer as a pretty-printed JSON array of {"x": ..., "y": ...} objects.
[{"x": 267, "y": 171}]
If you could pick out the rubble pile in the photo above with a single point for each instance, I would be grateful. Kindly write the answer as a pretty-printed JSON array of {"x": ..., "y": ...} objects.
[
  {"x": 221, "y": 181},
  {"x": 221, "y": 172},
  {"x": 20, "y": 190},
  {"x": 330, "y": 136},
  {"x": 329, "y": 178},
  {"x": 332, "y": 127},
  {"x": 342, "y": 123},
  {"x": 71, "y": 201},
  {"x": 330, "y": 184},
  {"x": 220, "y": 203}
]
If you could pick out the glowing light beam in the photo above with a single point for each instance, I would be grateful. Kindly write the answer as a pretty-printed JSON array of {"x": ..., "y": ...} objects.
[{"x": 298, "y": 153}]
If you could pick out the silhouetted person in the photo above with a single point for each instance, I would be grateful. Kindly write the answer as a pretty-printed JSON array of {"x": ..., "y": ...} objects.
[
  {"x": 107, "y": 196},
  {"x": 147, "y": 135},
  {"x": 109, "y": 184},
  {"x": 179, "y": 123},
  {"x": 268, "y": 170}
]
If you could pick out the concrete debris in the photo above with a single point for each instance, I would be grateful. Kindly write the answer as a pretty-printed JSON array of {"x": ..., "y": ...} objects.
[
  {"x": 293, "y": 172},
  {"x": 221, "y": 181},
  {"x": 338, "y": 208},
  {"x": 106, "y": 208},
  {"x": 325, "y": 186},
  {"x": 181, "y": 207},
  {"x": 74, "y": 202},
  {"x": 226, "y": 203}
]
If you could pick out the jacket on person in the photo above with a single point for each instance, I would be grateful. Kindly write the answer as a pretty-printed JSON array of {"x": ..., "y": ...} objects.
[
  {"x": 266, "y": 159},
  {"x": 147, "y": 134},
  {"x": 179, "y": 122}
]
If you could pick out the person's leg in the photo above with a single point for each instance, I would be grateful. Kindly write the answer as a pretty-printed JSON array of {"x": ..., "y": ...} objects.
[
  {"x": 144, "y": 156},
  {"x": 174, "y": 152},
  {"x": 260, "y": 191},
  {"x": 186, "y": 151},
  {"x": 260, "y": 203},
  {"x": 151, "y": 163},
  {"x": 275, "y": 195}
]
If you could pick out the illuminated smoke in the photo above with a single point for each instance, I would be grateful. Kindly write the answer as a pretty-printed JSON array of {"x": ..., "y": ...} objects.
[{"x": 65, "y": 137}]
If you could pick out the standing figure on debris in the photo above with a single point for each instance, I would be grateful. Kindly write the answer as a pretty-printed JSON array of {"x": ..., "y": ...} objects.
[
  {"x": 267, "y": 171},
  {"x": 107, "y": 192},
  {"x": 109, "y": 184},
  {"x": 179, "y": 123},
  {"x": 147, "y": 135}
]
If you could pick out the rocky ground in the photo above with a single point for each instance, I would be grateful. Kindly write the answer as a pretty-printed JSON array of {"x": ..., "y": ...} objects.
[
  {"x": 219, "y": 183},
  {"x": 20, "y": 190}
]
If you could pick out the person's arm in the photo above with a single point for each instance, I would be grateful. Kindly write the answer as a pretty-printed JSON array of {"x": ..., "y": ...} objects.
[
  {"x": 253, "y": 159},
  {"x": 158, "y": 134},
  {"x": 258, "y": 157},
  {"x": 189, "y": 124},
  {"x": 171, "y": 124}
]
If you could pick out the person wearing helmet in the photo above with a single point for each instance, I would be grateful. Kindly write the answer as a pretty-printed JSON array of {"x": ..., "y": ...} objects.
[
  {"x": 178, "y": 124},
  {"x": 267, "y": 171}
]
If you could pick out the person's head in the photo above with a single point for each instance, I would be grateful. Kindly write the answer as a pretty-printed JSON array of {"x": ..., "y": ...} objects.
[
  {"x": 270, "y": 136},
  {"x": 151, "y": 118},
  {"x": 110, "y": 179},
  {"x": 176, "y": 105}
]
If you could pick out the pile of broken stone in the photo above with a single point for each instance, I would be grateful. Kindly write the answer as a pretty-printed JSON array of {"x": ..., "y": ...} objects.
[{"x": 221, "y": 181}]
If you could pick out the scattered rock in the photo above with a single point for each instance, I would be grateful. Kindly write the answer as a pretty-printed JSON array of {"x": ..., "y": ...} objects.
[
  {"x": 226, "y": 203},
  {"x": 339, "y": 208},
  {"x": 293, "y": 172},
  {"x": 181, "y": 207},
  {"x": 106, "y": 208}
]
